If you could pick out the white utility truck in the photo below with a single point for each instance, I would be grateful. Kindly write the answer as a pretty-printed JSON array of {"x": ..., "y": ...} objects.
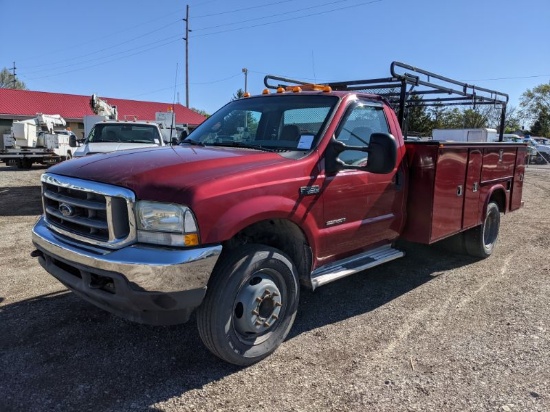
[
  {"x": 105, "y": 133},
  {"x": 466, "y": 135},
  {"x": 36, "y": 140},
  {"x": 114, "y": 135},
  {"x": 171, "y": 131}
]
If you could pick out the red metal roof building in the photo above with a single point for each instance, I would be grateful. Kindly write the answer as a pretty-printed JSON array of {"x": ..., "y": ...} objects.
[{"x": 24, "y": 104}]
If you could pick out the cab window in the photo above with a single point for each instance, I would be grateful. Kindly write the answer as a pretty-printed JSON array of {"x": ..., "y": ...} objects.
[{"x": 361, "y": 120}]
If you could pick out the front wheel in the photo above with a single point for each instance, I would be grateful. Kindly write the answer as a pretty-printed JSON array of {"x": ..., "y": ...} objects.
[
  {"x": 481, "y": 240},
  {"x": 24, "y": 163},
  {"x": 250, "y": 304}
]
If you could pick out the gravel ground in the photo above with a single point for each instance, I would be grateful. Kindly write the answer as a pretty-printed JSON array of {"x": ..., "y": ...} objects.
[{"x": 433, "y": 331}]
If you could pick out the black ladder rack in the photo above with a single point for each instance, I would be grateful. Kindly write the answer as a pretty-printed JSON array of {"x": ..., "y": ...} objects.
[{"x": 425, "y": 89}]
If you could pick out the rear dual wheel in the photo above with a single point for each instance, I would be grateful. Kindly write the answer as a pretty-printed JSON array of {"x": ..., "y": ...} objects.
[
  {"x": 250, "y": 304},
  {"x": 481, "y": 240}
]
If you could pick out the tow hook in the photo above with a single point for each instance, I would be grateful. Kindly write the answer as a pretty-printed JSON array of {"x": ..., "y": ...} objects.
[{"x": 36, "y": 253}]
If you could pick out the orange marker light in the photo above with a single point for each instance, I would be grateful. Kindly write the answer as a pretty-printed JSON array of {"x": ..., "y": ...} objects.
[
  {"x": 280, "y": 89},
  {"x": 265, "y": 91},
  {"x": 191, "y": 239},
  {"x": 246, "y": 94}
]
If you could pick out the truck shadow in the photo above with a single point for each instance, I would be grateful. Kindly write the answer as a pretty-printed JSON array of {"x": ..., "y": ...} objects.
[
  {"x": 20, "y": 201},
  {"x": 373, "y": 288},
  {"x": 13, "y": 168},
  {"x": 75, "y": 356}
]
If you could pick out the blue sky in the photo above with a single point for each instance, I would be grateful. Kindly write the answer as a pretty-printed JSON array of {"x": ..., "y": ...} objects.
[{"x": 134, "y": 49}]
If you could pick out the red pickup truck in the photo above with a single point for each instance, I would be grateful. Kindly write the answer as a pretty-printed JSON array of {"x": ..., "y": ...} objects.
[{"x": 299, "y": 186}]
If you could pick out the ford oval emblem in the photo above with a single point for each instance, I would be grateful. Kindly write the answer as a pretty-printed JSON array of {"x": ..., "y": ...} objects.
[{"x": 66, "y": 210}]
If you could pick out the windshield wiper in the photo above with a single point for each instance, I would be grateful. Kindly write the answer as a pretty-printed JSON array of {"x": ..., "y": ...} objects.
[
  {"x": 244, "y": 145},
  {"x": 192, "y": 142}
]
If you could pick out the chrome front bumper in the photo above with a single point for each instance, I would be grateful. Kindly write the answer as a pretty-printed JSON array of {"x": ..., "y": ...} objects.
[{"x": 132, "y": 281}]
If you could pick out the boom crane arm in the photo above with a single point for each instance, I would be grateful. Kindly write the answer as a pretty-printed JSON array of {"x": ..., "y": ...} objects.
[
  {"x": 48, "y": 121},
  {"x": 102, "y": 108}
]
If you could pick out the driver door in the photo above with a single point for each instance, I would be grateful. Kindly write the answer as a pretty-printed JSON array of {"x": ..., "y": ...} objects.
[{"x": 361, "y": 209}]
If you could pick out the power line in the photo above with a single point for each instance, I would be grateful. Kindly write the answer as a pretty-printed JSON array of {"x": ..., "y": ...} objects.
[
  {"x": 509, "y": 78},
  {"x": 105, "y": 62},
  {"x": 107, "y": 36},
  {"x": 59, "y": 63},
  {"x": 274, "y": 15},
  {"x": 283, "y": 20},
  {"x": 183, "y": 84},
  {"x": 204, "y": 3},
  {"x": 314, "y": 80},
  {"x": 141, "y": 25},
  {"x": 243, "y": 9},
  {"x": 220, "y": 80},
  {"x": 57, "y": 67}
]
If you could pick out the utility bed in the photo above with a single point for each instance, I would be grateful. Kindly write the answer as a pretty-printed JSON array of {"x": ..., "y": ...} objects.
[{"x": 449, "y": 182}]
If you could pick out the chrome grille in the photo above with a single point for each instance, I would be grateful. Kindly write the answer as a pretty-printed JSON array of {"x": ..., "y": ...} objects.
[{"x": 88, "y": 211}]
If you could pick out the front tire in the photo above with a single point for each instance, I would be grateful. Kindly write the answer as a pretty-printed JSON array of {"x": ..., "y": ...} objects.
[
  {"x": 24, "y": 163},
  {"x": 481, "y": 240},
  {"x": 250, "y": 304}
]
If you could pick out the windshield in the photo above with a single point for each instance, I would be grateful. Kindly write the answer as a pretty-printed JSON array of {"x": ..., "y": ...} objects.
[
  {"x": 282, "y": 122},
  {"x": 124, "y": 133}
]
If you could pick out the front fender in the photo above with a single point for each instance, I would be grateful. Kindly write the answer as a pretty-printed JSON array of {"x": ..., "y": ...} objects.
[{"x": 251, "y": 211}]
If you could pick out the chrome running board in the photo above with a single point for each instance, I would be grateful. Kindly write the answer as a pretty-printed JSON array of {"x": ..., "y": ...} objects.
[{"x": 349, "y": 266}]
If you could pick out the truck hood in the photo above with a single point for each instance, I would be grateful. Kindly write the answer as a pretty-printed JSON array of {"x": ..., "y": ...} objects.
[
  {"x": 160, "y": 172},
  {"x": 91, "y": 148}
]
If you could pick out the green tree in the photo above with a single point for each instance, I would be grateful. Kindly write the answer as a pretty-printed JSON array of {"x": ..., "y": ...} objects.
[
  {"x": 7, "y": 81},
  {"x": 453, "y": 119},
  {"x": 201, "y": 112},
  {"x": 240, "y": 122},
  {"x": 535, "y": 108},
  {"x": 512, "y": 122},
  {"x": 541, "y": 126},
  {"x": 238, "y": 95},
  {"x": 475, "y": 118},
  {"x": 438, "y": 114},
  {"x": 419, "y": 121}
]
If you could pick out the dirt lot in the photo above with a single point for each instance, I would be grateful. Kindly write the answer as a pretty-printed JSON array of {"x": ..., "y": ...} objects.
[{"x": 430, "y": 332}]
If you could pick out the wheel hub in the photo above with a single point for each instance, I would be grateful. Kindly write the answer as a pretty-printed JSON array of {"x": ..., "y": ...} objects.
[{"x": 257, "y": 306}]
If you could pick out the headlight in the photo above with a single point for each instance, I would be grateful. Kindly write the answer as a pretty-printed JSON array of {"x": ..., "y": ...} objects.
[{"x": 166, "y": 224}]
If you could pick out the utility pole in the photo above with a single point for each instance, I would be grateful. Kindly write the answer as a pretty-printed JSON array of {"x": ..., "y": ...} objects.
[
  {"x": 245, "y": 71},
  {"x": 186, "y": 38},
  {"x": 13, "y": 75}
]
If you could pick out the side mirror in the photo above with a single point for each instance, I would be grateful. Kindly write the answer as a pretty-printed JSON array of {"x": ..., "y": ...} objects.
[
  {"x": 382, "y": 153},
  {"x": 72, "y": 141},
  {"x": 175, "y": 141}
]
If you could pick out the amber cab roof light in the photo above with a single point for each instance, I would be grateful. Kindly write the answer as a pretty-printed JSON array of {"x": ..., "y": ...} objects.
[{"x": 309, "y": 87}]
